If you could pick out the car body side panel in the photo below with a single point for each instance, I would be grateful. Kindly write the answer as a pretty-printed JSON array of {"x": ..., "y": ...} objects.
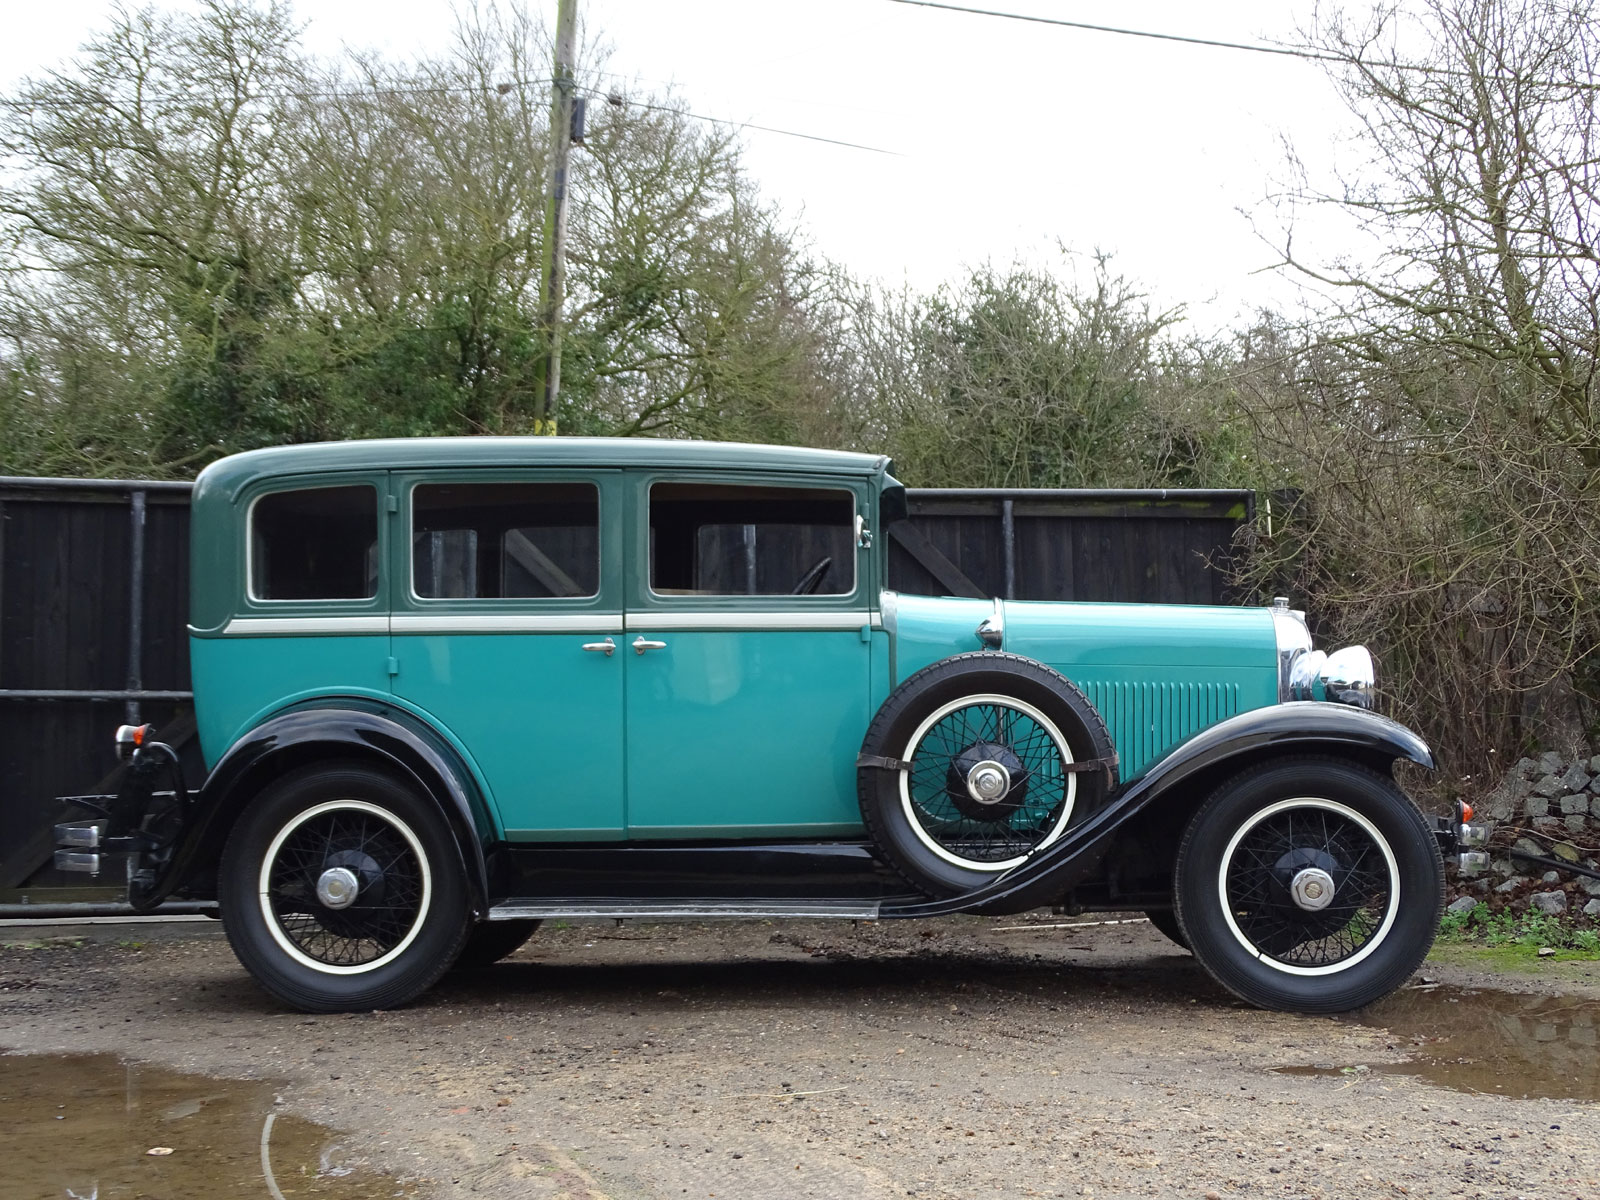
[
  {"x": 240, "y": 679},
  {"x": 1157, "y": 674}
]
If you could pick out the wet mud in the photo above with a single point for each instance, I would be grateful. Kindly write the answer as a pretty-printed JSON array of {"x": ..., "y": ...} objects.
[
  {"x": 1486, "y": 1041},
  {"x": 91, "y": 1127}
]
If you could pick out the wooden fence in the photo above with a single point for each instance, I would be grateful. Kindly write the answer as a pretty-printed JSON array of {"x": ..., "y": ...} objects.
[{"x": 94, "y": 579}]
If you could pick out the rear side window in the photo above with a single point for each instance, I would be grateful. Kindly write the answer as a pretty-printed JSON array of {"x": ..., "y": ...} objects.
[
  {"x": 484, "y": 541},
  {"x": 315, "y": 544},
  {"x": 738, "y": 540}
]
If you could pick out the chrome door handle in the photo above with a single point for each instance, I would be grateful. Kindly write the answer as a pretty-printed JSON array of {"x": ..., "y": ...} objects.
[
  {"x": 641, "y": 644},
  {"x": 607, "y": 647}
]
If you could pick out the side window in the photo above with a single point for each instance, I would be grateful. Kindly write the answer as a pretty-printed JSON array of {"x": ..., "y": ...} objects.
[
  {"x": 732, "y": 540},
  {"x": 480, "y": 541},
  {"x": 315, "y": 544}
]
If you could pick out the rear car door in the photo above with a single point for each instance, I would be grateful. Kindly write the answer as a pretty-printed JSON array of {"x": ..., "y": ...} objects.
[{"x": 504, "y": 635}]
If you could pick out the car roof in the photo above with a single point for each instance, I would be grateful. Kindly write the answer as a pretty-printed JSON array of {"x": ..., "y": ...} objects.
[{"x": 227, "y": 474}]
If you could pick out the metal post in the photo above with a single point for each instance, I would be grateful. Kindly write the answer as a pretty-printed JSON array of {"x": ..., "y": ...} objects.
[
  {"x": 552, "y": 282},
  {"x": 1008, "y": 544},
  {"x": 135, "y": 606}
]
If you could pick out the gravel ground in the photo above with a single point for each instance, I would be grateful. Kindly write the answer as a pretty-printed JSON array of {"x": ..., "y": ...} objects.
[{"x": 957, "y": 1059}]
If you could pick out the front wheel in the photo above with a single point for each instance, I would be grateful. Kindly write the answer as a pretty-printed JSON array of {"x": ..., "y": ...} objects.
[
  {"x": 1309, "y": 885},
  {"x": 341, "y": 889}
]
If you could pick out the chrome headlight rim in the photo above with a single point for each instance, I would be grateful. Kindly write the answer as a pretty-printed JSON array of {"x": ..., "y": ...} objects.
[{"x": 1294, "y": 642}]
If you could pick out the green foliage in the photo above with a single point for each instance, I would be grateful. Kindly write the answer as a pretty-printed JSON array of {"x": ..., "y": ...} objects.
[{"x": 1480, "y": 925}]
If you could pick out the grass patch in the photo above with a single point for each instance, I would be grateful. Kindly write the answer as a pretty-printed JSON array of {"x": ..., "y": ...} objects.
[{"x": 1518, "y": 937}]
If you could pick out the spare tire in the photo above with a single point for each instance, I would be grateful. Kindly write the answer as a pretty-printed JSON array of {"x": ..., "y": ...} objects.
[{"x": 977, "y": 762}]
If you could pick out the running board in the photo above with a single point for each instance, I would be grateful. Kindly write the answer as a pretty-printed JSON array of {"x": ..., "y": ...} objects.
[{"x": 677, "y": 910}]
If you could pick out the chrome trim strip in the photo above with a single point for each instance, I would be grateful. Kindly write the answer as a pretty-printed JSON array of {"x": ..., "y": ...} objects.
[
  {"x": 578, "y": 622},
  {"x": 518, "y": 910},
  {"x": 305, "y": 626},
  {"x": 669, "y": 621}
]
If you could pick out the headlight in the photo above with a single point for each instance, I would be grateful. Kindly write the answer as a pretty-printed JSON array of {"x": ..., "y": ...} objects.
[
  {"x": 1345, "y": 676},
  {"x": 1294, "y": 643}
]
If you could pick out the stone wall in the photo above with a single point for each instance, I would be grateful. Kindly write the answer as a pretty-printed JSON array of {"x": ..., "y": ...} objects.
[{"x": 1547, "y": 806}]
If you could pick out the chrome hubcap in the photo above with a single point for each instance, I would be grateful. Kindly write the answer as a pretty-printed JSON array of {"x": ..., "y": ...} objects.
[
  {"x": 1312, "y": 889},
  {"x": 337, "y": 887},
  {"x": 988, "y": 782}
]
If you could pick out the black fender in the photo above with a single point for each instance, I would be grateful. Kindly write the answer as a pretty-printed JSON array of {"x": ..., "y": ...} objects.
[
  {"x": 1296, "y": 727},
  {"x": 326, "y": 729}
]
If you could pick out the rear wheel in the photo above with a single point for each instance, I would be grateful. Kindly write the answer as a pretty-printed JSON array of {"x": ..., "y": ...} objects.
[
  {"x": 341, "y": 889},
  {"x": 1309, "y": 885}
]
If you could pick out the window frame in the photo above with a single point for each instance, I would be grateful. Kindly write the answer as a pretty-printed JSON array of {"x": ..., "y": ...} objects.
[
  {"x": 377, "y": 481},
  {"x": 643, "y": 597},
  {"x": 606, "y": 597}
]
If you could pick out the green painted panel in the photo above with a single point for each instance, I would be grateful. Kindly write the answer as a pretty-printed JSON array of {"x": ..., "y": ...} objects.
[
  {"x": 240, "y": 680},
  {"x": 541, "y": 717},
  {"x": 753, "y": 732}
]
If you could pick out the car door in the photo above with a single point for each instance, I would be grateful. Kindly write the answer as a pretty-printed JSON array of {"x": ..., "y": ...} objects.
[
  {"x": 504, "y": 634},
  {"x": 748, "y": 654}
]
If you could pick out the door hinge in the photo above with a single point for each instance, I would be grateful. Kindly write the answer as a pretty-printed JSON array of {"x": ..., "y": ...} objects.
[
  {"x": 392, "y": 665},
  {"x": 392, "y": 503}
]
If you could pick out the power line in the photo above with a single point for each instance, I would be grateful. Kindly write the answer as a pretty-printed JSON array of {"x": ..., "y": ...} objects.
[
  {"x": 809, "y": 137},
  {"x": 1285, "y": 51}
]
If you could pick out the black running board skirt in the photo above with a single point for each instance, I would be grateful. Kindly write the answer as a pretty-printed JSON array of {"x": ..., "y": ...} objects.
[{"x": 684, "y": 910}]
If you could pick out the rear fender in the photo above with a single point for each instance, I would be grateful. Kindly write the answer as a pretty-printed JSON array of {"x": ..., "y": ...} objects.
[
  {"x": 326, "y": 730},
  {"x": 1181, "y": 780}
]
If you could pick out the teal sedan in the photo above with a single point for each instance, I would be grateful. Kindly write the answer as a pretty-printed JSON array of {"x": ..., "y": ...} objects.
[{"x": 449, "y": 688}]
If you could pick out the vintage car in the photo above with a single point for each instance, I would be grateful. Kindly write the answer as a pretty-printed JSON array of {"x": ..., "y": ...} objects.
[{"x": 449, "y": 688}]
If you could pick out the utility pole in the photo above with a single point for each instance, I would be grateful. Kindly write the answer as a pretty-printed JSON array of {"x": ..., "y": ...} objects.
[{"x": 553, "y": 279}]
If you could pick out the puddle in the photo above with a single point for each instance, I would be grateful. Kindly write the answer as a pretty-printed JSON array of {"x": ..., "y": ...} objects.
[
  {"x": 1486, "y": 1041},
  {"x": 80, "y": 1127}
]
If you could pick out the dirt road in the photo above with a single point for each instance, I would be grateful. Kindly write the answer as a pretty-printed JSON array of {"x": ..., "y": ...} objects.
[{"x": 952, "y": 1059}]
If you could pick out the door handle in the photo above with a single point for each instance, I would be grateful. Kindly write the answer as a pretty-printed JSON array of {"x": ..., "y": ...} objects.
[
  {"x": 641, "y": 644},
  {"x": 607, "y": 647}
]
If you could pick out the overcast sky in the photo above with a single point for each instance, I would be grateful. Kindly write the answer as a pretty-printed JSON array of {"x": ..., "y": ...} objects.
[{"x": 1007, "y": 139}]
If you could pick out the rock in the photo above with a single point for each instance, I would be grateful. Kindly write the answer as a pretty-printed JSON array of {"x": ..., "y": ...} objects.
[
  {"x": 1480, "y": 885},
  {"x": 1575, "y": 778},
  {"x": 1523, "y": 768},
  {"x": 1546, "y": 951},
  {"x": 1594, "y": 765},
  {"x": 1549, "y": 786},
  {"x": 1547, "y": 824},
  {"x": 1535, "y": 807},
  {"x": 1565, "y": 851},
  {"x": 1576, "y": 802},
  {"x": 1464, "y": 905},
  {"x": 1550, "y": 877},
  {"x": 1550, "y": 763},
  {"x": 1504, "y": 867},
  {"x": 1592, "y": 886},
  {"x": 1592, "y": 909},
  {"x": 1575, "y": 824},
  {"x": 1506, "y": 799},
  {"x": 1512, "y": 884},
  {"x": 1526, "y": 845},
  {"x": 1549, "y": 902},
  {"x": 1594, "y": 806}
]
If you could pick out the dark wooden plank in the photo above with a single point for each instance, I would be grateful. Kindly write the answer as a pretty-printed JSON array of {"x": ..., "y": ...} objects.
[{"x": 933, "y": 560}]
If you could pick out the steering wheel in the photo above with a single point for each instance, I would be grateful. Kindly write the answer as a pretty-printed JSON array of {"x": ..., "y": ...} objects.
[{"x": 812, "y": 579}]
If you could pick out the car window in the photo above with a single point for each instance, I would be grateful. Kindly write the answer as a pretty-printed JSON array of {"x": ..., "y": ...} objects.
[
  {"x": 479, "y": 541},
  {"x": 315, "y": 544},
  {"x": 741, "y": 540}
]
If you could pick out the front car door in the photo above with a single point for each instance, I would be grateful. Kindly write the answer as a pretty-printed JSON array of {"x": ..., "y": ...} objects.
[
  {"x": 504, "y": 635},
  {"x": 748, "y": 653}
]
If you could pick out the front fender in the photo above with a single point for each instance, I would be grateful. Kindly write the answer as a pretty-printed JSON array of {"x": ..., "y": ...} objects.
[
  {"x": 327, "y": 729},
  {"x": 1306, "y": 726}
]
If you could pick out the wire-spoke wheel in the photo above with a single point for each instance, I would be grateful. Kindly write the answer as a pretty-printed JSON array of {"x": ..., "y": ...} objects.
[
  {"x": 341, "y": 888},
  {"x": 1312, "y": 885},
  {"x": 988, "y": 783},
  {"x": 976, "y": 763}
]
